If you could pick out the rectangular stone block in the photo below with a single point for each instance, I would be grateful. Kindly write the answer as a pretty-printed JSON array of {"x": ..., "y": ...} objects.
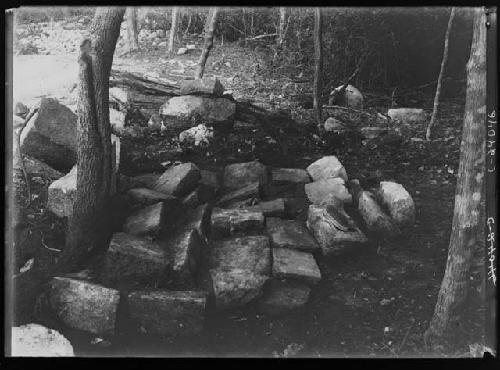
[
  {"x": 290, "y": 234},
  {"x": 168, "y": 313},
  {"x": 271, "y": 208},
  {"x": 293, "y": 264},
  {"x": 146, "y": 221},
  {"x": 251, "y": 190},
  {"x": 248, "y": 252},
  {"x": 227, "y": 222},
  {"x": 134, "y": 258}
]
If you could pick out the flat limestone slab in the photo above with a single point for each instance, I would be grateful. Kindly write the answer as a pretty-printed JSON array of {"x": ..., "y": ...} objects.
[
  {"x": 283, "y": 295},
  {"x": 293, "y": 264},
  {"x": 280, "y": 176},
  {"x": 85, "y": 306},
  {"x": 248, "y": 252},
  {"x": 178, "y": 180},
  {"x": 168, "y": 313},
  {"x": 227, "y": 222},
  {"x": 133, "y": 258},
  {"x": 235, "y": 288},
  {"x": 327, "y": 167},
  {"x": 290, "y": 234}
]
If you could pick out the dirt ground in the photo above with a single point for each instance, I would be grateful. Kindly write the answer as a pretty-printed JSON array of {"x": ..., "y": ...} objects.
[{"x": 376, "y": 302}]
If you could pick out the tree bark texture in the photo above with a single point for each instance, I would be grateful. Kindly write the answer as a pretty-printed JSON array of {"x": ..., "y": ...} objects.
[
  {"x": 281, "y": 27},
  {"x": 87, "y": 225},
  {"x": 209, "y": 41},
  {"x": 133, "y": 40},
  {"x": 441, "y": 73},
  {"x": 173, "y": 28},
  {"x": 318, "y": 63},
  {"x": 466, "y": 229}
]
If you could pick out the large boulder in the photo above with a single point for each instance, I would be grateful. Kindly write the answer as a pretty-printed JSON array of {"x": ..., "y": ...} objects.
[
  {"x": 35, "y": 167},
  {"x": 327, "y": 167},
  {"x": 333, "y": 230},
  {"x": 178, "y": 180},
  {"x": 329, "y": 191},
  {"x": 235, "y": 288},
  {"x": 201, "y": 86},
  {"x": 351, "y": 97},
  {"x": 407, "y": 115},
  {"x": 294, "y": 264},
  {"x": 283, "y": 295},
  {"x": 226, "y": 222},
  {"x": 135, "y": 259},
  {"x": 62, "y": 194},
  {"x": 238, "y": 175},
  {"x": 168, "y": 313},
  {"x": 34, "y": 340},
  {"x": 83, "y": 305},
  {"x": 180, "y": 111},
  {"x": 51, "y": 135},
  {"x": 248, "y": 252},
  {"x": 290, "y": 234},
  {"x": 398, "y": 201},
  {"x": 376, "y": 220}
]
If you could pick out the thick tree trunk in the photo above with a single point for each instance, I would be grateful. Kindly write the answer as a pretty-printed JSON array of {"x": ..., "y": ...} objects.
[
  {"x": 441, "y": 73},
  {"x": 209, "y": 41},
  {"x": 173, "y": 28},
  {"x": 133, "y": 38},
  {"x": 87, "y": 226},
  {"x": 318, "y": 64},
  {"x": 281, "y": 28},
  {"x": 466, "y": 229}
]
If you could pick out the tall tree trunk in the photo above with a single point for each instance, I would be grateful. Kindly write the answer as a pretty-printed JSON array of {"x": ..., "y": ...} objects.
[
  {"x": 441, "y": 73},
  {"x": 173, "y": 28},
  {"x": 87, "y": 226},
  {"x": 281, "y": 28},
  {"x": 209, "y": 41},
  {"x": 466, "y": 229},
  {"x": 318, "y": 64},
  {"x": 133, "y": 38}
]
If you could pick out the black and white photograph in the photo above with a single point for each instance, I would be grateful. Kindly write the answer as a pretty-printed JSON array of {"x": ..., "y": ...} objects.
[{"x": 250, "y": 182}]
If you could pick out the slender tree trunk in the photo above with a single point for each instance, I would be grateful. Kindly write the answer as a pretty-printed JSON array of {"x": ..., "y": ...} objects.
[
  {"x": 87, "y": 225},
  {"x": 173, "y": 28},
  {"x": 133, "y": 38},
  {"x": 466, "y": 229},
  {"x": 318, "y": 64},
  {"x": 441, "y": 73},
  {"x": 281, "y": 28},
  {"x": 209, "y": 41},
  {"x": 189, "y": 24}
]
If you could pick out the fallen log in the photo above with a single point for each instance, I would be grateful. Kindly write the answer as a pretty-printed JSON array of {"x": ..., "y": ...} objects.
[{"x": 141, "y": 84}]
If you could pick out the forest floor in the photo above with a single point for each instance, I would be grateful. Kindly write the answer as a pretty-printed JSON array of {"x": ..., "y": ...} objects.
[{"x": 374, "y": 303}]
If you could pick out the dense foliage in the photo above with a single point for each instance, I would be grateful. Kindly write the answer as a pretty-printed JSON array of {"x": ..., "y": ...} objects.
[{"x": 404, "y": 45}]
